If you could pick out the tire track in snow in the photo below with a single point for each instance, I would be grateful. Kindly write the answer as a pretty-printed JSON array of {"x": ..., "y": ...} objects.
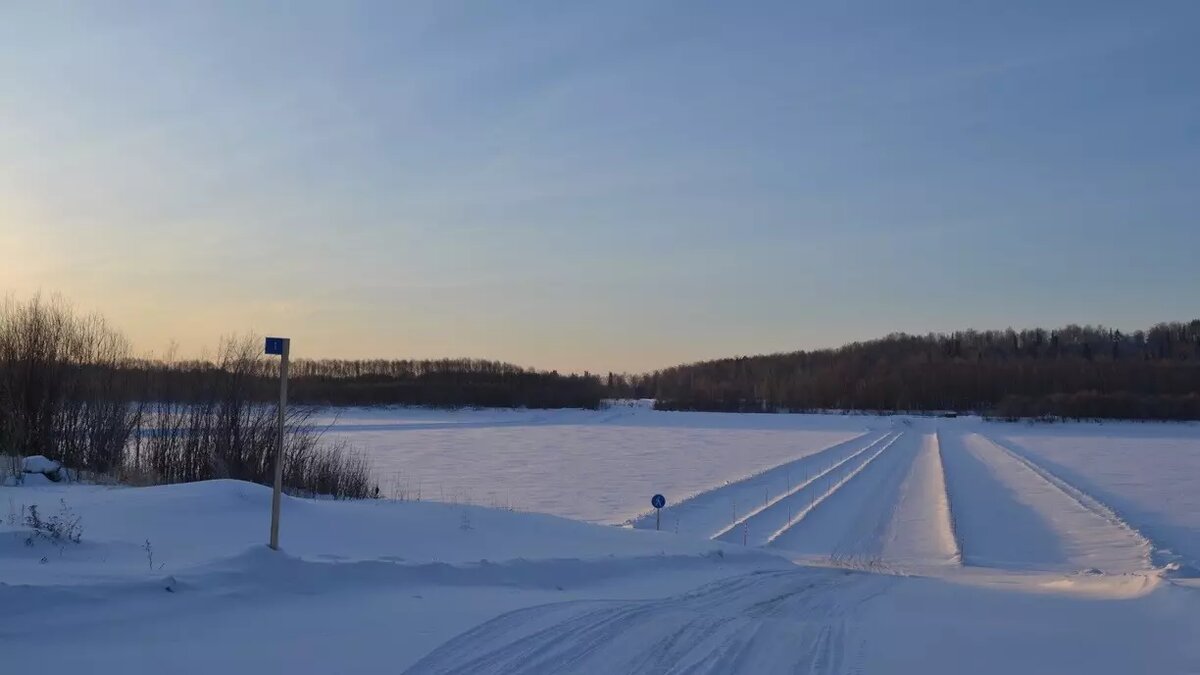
[{"x": 798, "y": 621}]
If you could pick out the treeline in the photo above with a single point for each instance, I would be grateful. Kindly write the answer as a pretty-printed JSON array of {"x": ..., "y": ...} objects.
[
  {"x": 1077, "y": 371},
  {"x": 441, "y": 382}
]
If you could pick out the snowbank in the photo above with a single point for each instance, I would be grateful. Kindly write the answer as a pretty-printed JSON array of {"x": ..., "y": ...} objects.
[
  {"x": 199, "y": 527},
  {"x": 40, "y": 464}
]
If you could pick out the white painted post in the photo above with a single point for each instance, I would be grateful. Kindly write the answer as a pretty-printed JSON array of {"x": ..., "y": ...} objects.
[{"x": 275, "y": 494}]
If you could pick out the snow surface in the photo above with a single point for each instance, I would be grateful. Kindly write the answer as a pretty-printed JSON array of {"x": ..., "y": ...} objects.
[
  {"x": 924, "y": 546},
  {"x": 600, "y": 466},
  {"x": 1012, "y": 515},
  {"x": 1148, "y": 474}
]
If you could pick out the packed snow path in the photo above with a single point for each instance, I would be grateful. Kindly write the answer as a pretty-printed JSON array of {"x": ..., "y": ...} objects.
[
  {"x": 891, "y": 512},
  {"x": 876, "y": 500},
  {"x": 1011, "y": 514},
  {"x": 720, "y": 513},
  {"x": 1148, "y": 475}
]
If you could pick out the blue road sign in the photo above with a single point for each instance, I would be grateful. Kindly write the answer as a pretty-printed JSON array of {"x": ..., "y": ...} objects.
[
  {"x": 275, "y": 346},
  {"x": 658, "y": 501}
]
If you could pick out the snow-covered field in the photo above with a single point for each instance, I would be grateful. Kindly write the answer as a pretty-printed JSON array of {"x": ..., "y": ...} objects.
[
  {"x": 601, "y": 466},
  {"x": 815, "y": 544}
]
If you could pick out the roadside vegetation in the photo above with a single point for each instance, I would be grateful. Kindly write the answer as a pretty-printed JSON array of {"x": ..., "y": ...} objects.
[{"x": 71, "y": 391}]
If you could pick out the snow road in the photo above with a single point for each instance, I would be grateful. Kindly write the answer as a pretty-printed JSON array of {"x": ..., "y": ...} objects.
[
  {"x": 718, "y": 513},
  {"x": 1146, "y": 474},
  {"x": 919, "y": 495},
  {"x": 1012, "y": 515},
  {"x": 878, "y": 499}
]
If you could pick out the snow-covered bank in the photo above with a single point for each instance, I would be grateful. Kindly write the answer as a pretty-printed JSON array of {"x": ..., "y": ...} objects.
[
  {"x": 164, "y": 574},
  {"x": 132, "y": 533}
]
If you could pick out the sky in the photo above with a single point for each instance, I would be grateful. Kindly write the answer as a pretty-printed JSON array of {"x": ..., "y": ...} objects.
[{"x": 603, "y": 186}]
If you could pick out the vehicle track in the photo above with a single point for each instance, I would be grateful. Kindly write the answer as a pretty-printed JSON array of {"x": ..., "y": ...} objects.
[{"x": 796, "y": 621}]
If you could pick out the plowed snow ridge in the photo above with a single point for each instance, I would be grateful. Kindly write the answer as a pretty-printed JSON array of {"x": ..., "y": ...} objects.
[{"x": 921, "y": 529}]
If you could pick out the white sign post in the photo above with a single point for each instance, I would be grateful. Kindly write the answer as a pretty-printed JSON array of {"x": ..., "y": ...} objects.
[{"x": 280, "y": 346}]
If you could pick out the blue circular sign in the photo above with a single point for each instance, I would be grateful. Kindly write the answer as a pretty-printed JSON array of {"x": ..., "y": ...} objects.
[{"x": 658, "y": 501}]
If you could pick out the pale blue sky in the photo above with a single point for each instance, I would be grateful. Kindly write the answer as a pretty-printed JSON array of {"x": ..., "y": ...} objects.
[{"x": 603, "y": 186}]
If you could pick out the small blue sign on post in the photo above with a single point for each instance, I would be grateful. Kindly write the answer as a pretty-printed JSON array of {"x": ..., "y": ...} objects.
[
  {"x": 658, "y": 501},
  {"x": 274, "y": 346}
]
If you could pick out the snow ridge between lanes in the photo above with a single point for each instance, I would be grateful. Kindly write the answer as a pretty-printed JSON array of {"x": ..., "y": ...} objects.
[{"x": 941, "y": 464}]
